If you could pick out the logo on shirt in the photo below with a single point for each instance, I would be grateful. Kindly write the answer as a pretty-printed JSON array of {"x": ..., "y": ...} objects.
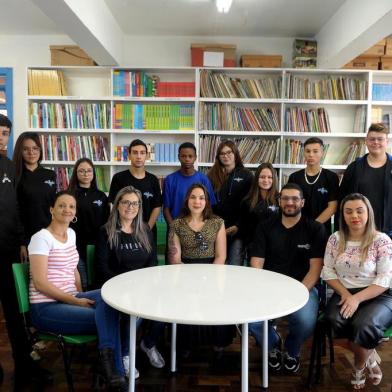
[
  {"x": 148, "y": 195},
  {"x": 303, "y": 246},
  {"x": 273, "y": 208},
  {"x": 5, "y": 179},
  {"x": 238, "y": 179},
  {"x": 49, "y": 182},
  {"x": 98, "y": 202},
  {"x": 131, "y": 246},
  {"x": 322, "y": 190}
]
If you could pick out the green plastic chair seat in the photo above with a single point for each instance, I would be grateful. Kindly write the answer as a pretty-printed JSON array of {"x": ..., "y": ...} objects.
[
  {"x": 388, "y": 332},
  {"x": 68, "y": 339}
]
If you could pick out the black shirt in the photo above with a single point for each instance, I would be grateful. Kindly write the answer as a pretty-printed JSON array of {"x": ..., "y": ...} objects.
[
  {"x": 231, "y": 194},
  {"x": 148, "y": 186},
  {"x": 288, "y": 251},
  {"x": 318, "y": 195},
  {"x": 371, "y": 184},
  {"x": 92, "y": 212},
  {"x": 36, "y": 191},
  {"x": 128, "y": 256}
]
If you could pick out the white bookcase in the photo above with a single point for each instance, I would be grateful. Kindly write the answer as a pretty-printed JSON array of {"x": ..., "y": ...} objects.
[{"x": 95, "y": 85}]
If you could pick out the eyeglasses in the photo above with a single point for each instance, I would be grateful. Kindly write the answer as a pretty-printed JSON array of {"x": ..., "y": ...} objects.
[
  {"x": 34, "y": 149},
  {"x": 130, "y": 204},
  {"x": 201, "y": 242},
  {"x": 225, "y": 154},
  {"x": 294, "y": 199},
  {"x": 85, "y": 172}
]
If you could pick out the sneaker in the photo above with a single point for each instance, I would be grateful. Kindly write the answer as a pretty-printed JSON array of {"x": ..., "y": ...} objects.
[
  {"x": 291, "y": 364},
  {"x": 153, "y": 355},
  {"x": 275, "y": 360},
  {"x": 126, "y": 367}
]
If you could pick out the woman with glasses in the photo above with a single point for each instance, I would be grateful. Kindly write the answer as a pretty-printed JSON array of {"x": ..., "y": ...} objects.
[
  {"x": 125, "y": 243},
  {"x": 198, "y": 237},
  {"x": 231, "y": 183},
  {"x": 36, "y": 186},
  {"x": 358, "y": 267},
  {"x": 92, "y": 210},
  {"x": 260, "y": 203}
]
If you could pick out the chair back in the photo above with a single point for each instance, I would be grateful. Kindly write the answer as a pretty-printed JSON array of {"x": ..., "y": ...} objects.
[
  {"x": 90, "y": 265},
  {"x": 21, "y": 278}
]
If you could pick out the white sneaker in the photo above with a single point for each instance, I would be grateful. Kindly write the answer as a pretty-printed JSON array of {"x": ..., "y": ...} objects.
[
  {"x": 126, "y": 367},
  {"x": 153, "y": 355}
]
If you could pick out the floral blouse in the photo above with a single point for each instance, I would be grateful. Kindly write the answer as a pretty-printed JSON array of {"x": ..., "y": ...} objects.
[{"x": 351, "y": 271}]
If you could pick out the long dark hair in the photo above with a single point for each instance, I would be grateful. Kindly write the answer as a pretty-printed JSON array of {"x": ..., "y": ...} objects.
[
  {"x": 207, "y": 212},
  {"x": 254, "y": 196},
  {"x": 18, "y": 151},
  {"x": 217, "y": 173},
  {"x": 74, "y": 182}
]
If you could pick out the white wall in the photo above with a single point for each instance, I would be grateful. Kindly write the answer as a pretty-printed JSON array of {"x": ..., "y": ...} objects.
[{"x": 19, "y": 52}]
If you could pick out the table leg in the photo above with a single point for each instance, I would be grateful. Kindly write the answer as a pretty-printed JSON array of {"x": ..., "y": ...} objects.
[
  {"x": 173, "y": 348},
  {"x": 244, "y": 356},
  {"x": 132, "y": 353},
  {"x": 265, "y": 354}
]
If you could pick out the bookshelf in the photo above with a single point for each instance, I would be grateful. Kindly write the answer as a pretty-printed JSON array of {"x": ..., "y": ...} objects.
[
  {"x": 6, "y": 96},
  {"x": 269, "y": 112}
]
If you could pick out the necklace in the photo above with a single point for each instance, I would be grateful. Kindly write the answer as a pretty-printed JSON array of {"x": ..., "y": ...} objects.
[{"x": 312, "y": 183}]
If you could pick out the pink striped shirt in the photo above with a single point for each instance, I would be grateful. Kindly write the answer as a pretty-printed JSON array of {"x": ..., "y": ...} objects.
[{"x": 62, "y": 261}]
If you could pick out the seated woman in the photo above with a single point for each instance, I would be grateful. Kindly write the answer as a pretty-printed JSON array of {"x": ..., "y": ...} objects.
[
  {"x": 198, "y": 236},
  {"x": 58, "y": 304},
  {"x": 358, "y": 266},
  {"x": 125, "y": 243}
]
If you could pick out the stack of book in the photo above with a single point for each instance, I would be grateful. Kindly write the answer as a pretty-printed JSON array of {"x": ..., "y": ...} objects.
[
  {"x": 307, "y": 120},
  {"x": 227, "y": 117},
  {"x": 134, "y": 84},
  {"x": 360, "y": 119},
  {"x": 156, "y": 152},
  {"x": 294, "y": 152},
  {"x": 382, "y": 92},
  {"x": 46, "y": 82},
  {"x": 352, "y": 152}
]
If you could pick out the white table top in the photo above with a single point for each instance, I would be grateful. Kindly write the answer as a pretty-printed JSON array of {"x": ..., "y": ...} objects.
[{"x": 205, "y": 294}]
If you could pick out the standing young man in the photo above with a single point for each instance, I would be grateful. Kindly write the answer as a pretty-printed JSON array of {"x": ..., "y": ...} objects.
[
  {"x": 319, "y": 186},
  {"x": 371, "y": 175},
  {"x": 293, "y": 245},
  {"x": 142, "y": 180},
  {"x": 12, "y": 251},
  {"x": 177, "y": 184}
]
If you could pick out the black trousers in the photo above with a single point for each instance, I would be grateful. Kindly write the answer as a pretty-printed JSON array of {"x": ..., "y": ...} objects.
[
  {"x": 17, "y": 335},
  {"x": 368, "y": 324}
]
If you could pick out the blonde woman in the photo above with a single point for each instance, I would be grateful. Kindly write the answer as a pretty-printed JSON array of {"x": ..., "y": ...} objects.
[{"x": 358, "y": 267}]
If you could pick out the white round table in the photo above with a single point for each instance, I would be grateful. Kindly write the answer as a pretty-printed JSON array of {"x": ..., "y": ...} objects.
[{"x": 205, "y": 294}]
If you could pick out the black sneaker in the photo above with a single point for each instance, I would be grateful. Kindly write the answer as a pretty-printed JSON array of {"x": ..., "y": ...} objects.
[
  {"x": 275, "y": 360},
  {"x": 291, "y": 364}
]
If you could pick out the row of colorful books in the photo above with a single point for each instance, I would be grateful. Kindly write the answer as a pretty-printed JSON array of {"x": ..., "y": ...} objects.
[
  {"x": 360, "y": 119},
  {"x": 294, "y": 151},
  {"x": 224, "y": 116},
  {"x": 154, "y": 117},
  {"x": 46, "y": 82},
  {"x": 156, "y": 152},
  {"x": 69, "y": 115},
  {"x": 134, "y": 84},
  {"x": 339, "y": 88},
  {"x": 220, "y": 85},
  {"x": 71, "y": 148},
  {"x": 382, "y": 92},
  {"x": 353, "y": 151},
  {"x": 251, "y": 150},
  {"x": 307, "y": 120}
]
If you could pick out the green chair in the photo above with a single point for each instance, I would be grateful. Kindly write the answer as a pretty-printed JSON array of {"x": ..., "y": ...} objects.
[
  {"x": 21, "y": 277},
  {"x": 90, "y": 263},
  {"x": 161, "y": 241}
]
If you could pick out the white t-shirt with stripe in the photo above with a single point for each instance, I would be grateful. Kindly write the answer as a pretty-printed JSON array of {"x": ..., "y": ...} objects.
[{"x": 62, "y": 261}]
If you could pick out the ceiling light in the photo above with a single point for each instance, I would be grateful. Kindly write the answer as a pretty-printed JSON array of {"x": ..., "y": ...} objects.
[{"x": 223, "y": 5}]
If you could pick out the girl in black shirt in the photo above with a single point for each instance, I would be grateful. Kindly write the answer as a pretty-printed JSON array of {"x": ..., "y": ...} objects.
[
  {"x": 36, "y": 186},
  {"x": 92, "y": 210}
]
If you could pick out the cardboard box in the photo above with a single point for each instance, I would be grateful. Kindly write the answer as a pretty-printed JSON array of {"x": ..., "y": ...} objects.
[
  {"x": 69, "y": 55},
  {"x": 386, "y": 63},
  {"x": 261, "y": 61},
  {"x": 388, "y": 47},
  {"x": 376, "y": 50},
  {"x": 363, "y": 62},
  {"x": 199, "y": 59}
]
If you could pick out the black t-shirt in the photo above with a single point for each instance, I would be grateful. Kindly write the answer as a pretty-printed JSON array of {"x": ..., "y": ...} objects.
[
  {"x": 36, "y": 191},
  {"x": 148, "y": 186},
  {"x": 317, "y": 195},
  {"x": 371, "y": 184},
  {"x": 288, "y": 251}
]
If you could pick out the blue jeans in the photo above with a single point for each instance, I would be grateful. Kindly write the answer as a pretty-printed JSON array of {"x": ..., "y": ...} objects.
[
  {"x": 301, "y": 326},
  {"x": 101, "y": 319},
  {"x": 235, "y": 251}
]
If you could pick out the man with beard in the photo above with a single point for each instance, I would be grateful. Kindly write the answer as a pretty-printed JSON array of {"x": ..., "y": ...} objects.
[{"x": 293, "y": 245}]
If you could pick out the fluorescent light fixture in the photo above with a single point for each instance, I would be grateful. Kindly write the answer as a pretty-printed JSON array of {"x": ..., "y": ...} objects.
[{"x": 223, "y": 5}]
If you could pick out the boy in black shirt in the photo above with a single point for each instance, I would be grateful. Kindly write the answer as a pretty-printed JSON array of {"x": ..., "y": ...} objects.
[
  {"x": 293, "y": 245},
  {"x": 320, "y": 186}
]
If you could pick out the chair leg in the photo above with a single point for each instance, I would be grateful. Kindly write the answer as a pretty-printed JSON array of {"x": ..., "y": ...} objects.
[
  {"x": 313, "y": 354},
  {"x": 331, "y": 348},
  {"x": 320, "y": 349},
  {"x": 67, "y": 367}
]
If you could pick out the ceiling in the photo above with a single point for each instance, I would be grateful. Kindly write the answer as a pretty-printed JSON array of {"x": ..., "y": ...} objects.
[{"x": 267, "y": 18}]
